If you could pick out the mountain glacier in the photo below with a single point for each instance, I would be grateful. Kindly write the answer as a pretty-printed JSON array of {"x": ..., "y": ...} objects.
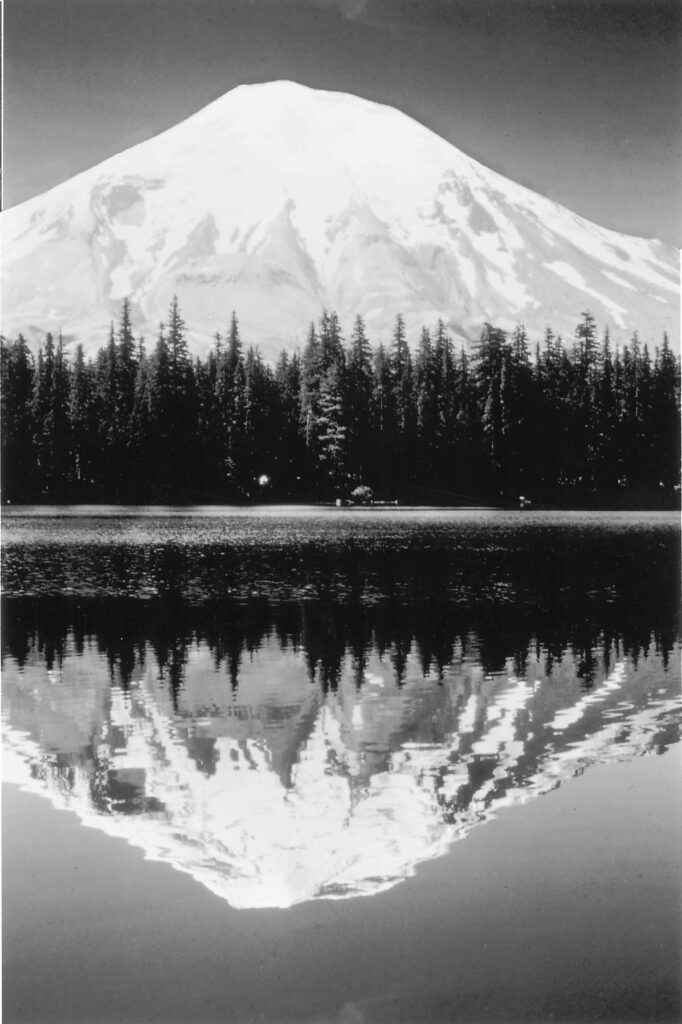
[{"x": 278, "y": 201}]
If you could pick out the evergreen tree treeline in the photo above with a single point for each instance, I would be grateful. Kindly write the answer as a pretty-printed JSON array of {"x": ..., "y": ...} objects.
[{"x": 561, "y": 425}]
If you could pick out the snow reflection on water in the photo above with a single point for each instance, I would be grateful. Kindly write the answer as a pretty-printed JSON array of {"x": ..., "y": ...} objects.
[
  {"x": 312, "y": 708},
  {"x": 274, "y": 791}
]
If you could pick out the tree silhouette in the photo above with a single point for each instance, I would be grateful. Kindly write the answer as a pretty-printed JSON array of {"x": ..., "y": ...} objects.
[{"x": 585, "y": 425}]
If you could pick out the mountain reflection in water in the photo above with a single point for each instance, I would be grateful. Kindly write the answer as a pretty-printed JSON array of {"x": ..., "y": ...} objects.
[{"x": 287, "y": 750}]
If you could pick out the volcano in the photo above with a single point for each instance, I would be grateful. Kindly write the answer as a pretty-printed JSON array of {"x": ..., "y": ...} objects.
[{"x": 278, "y": 201}]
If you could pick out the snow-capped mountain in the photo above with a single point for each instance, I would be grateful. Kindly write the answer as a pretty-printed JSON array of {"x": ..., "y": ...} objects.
[{"x": 278, "y": 200}]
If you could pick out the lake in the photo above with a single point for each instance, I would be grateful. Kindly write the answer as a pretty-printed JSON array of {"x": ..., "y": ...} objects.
[{"x": 354, "y": 765}]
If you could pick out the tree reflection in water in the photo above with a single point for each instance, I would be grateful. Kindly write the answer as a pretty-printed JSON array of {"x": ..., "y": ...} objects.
[{"x": 282, "y": 750}]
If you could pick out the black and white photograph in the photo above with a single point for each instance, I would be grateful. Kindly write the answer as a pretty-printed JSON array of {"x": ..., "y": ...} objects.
[{"x": 340, "y": 512}]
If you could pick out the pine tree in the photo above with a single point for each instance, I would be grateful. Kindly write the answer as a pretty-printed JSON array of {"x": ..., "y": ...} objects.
[
  {"x": 605, "y": 418},
  {"x": 289, "y": 445},
  {"x": 490, "y": 368},
  {"x": 383, "y": 473},
  {"x": 230, "y": 388},
  {"x": 18, "y": 428},
  {"x": 42, "y": 417},
  {"x": 520, "y": 413},
  {"x": 665, "y": 420},
  {"x": 404, "y": 406},
  {"x": 358, "y": 403},
  {"x": 63, "y": 481},
  {"x": 311, "y": 373},
  {"x": 323, "y": 390},
  {"x": 586, "y": 335},
  {"x": 466, "y": 451},
  {"x": 331, "y": 432},
  {"x": 126, "y": 365},
  {"x": 644, "y": 453},
  {"x": 142, "y": 430},
  {"x": 261, "y": 429},
  {"x": 425, "y": 404},
  {"x": 581, "y": 451},
  {"x": 331, "y": 353},
  {"x": 161, "y": 426},
  {"x": 79, "y": 422},
  {"x": 544, "y": 426},
  {"x": 205, "y": 448},
  {"x": 630, "y": 411},
  {"x": 234, "y": 345},
  {"x": 108, "y": 468},
  {"x": 447, "y": 429},
  {"x": 180, "y": 410},
  {"x": 400, "y": 362}
]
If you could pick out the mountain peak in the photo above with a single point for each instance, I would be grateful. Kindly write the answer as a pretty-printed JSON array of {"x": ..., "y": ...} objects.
[
  {"x": 287, "y": 91},
  {"x": 278, "y": 200}
]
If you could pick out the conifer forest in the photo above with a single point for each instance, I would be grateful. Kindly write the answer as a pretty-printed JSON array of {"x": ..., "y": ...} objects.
[{"x": 567, "y": 423}]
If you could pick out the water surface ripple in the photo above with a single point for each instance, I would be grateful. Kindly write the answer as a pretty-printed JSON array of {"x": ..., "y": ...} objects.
[{"x": 301, "y": 704}]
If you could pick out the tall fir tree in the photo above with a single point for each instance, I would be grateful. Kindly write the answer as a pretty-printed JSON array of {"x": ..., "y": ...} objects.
[
  {"x": 18, "y": 427},
  {"x": 358, "y": 403}
]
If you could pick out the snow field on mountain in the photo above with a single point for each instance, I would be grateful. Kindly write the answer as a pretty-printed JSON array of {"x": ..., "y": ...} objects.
[{"x": 278, "y": 201}]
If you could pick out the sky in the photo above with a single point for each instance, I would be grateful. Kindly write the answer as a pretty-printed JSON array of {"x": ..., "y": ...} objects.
[{"x": 580, "y": 100}]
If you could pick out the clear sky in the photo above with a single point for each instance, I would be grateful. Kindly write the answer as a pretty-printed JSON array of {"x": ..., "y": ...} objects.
[{"x": 580, "y": 100}]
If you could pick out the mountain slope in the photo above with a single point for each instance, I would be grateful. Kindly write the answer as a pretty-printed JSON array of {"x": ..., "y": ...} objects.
[{"x": 278, "y": 200}]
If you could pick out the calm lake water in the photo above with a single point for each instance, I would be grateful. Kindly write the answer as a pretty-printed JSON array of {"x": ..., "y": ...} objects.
[{"x": 341, "y": 765}]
